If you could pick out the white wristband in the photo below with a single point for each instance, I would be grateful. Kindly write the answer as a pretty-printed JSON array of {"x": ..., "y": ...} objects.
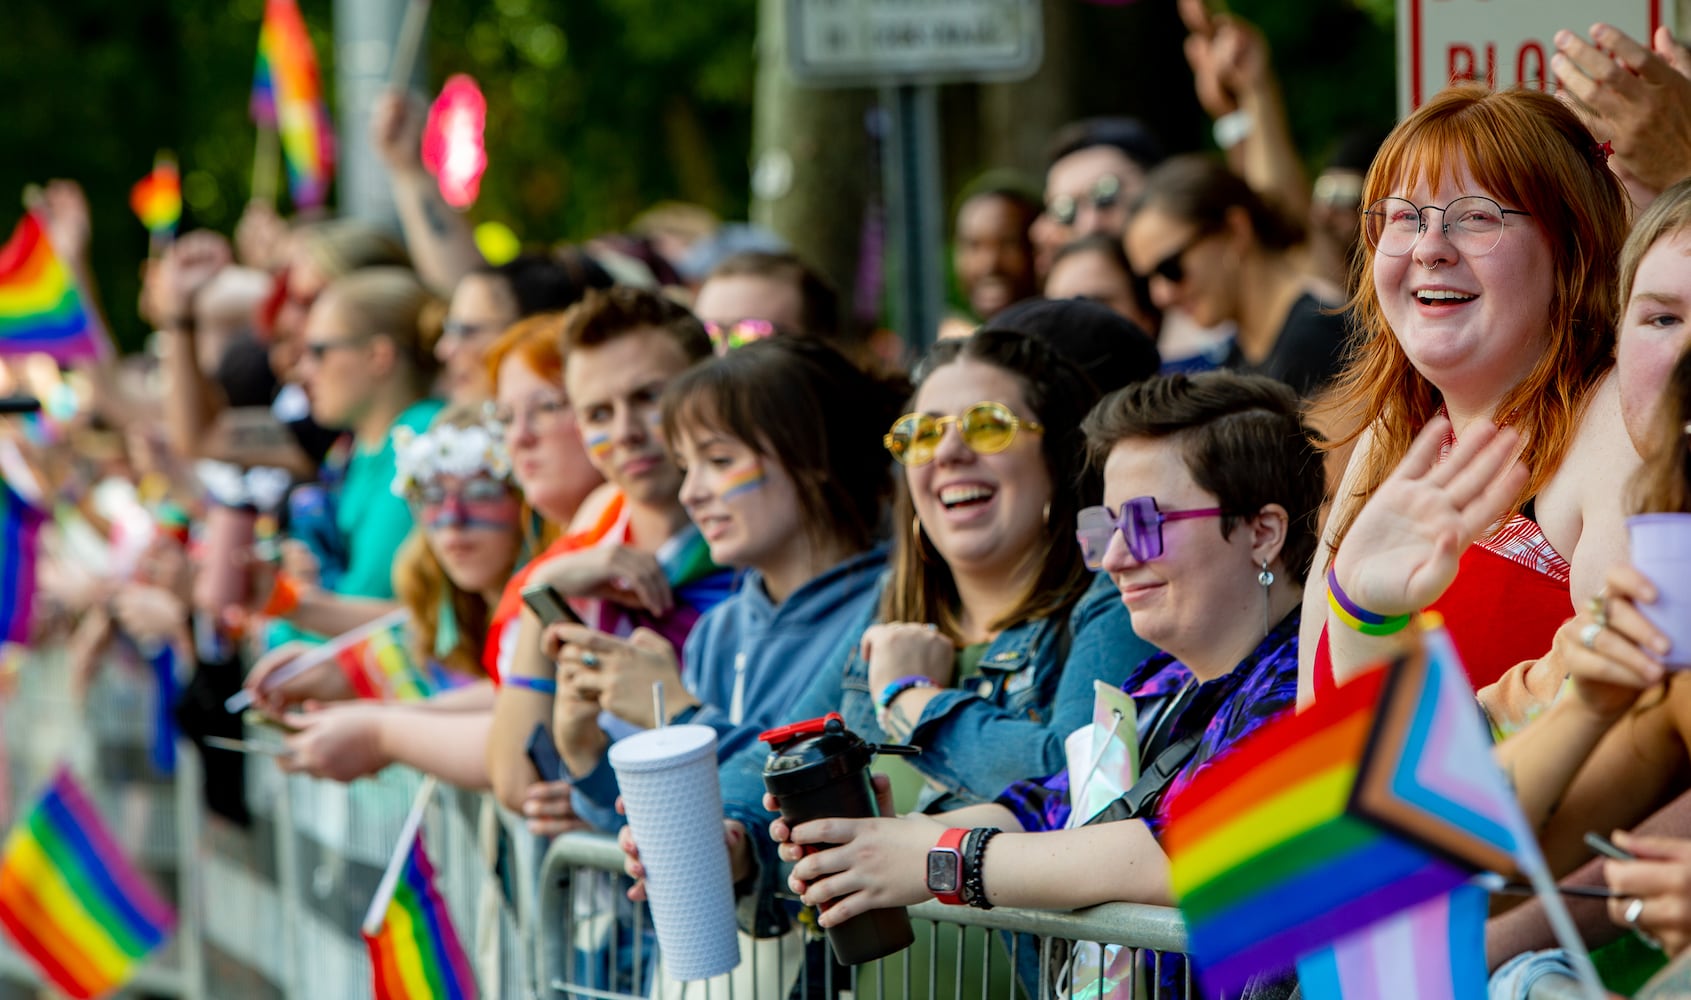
[{"x": 1232, "y": 128}]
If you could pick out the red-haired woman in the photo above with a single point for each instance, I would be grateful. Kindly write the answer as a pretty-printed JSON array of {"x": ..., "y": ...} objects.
[{"x": 1485, "y": 302}]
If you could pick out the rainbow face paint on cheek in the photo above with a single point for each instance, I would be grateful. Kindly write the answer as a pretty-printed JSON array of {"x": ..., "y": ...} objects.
[
  {"x": 598, "y": 445},
  {"x": 743, "y": 481}
]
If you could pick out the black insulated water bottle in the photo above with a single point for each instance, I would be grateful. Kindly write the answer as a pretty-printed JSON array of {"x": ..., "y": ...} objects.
[{"x": 819, "y": 769}]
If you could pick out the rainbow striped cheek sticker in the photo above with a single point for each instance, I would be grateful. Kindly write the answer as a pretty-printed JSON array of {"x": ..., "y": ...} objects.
[{"x": 744, "y": 481}]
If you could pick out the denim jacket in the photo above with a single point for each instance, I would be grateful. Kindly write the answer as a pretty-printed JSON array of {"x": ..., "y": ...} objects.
[{"x": 1034, "y": 689}]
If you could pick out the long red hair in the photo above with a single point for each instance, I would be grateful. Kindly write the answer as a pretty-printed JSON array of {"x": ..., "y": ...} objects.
[{"x": 1526, "y": 148}]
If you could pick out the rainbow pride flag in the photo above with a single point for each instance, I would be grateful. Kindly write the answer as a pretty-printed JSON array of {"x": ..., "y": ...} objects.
[
  {"x": 287, "y": 95},
  {"x": 416, "y": 953},
  {"x": 381, "y": 666},
  {"x": 41, "y": 309},
  {"x": 157, "y": 198},
  {"x": 20, "y": 532},
  {"x": 1380, "y": 797},
  {"x": 70, "y": 899}
]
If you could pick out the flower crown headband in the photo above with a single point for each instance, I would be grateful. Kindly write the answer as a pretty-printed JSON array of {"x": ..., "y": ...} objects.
[{"x": 446, "y": 450}]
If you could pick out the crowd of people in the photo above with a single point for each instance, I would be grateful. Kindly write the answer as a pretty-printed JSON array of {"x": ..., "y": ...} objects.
[{"x": 1202, "y": 432}]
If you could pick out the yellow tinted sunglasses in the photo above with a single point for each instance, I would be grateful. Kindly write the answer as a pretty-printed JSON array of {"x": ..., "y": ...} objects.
[{"x": 987, "y": 428}]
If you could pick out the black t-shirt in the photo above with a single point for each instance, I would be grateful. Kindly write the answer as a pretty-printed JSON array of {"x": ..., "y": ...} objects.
[
  {"x": 245, "y": 375},
  {"x": 1309, "y": 350}
]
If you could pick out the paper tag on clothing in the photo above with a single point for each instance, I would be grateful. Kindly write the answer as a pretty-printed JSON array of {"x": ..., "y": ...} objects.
[{"x": 1103, "y": 757}]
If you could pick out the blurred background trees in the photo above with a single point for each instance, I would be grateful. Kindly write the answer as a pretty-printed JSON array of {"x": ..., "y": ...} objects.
[{"x": 599, "y": 108}]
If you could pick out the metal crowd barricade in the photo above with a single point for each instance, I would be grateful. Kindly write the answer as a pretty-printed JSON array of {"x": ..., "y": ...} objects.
[
  {"x": 959, "y": 952},
  {"x": 106, "y": 738}
]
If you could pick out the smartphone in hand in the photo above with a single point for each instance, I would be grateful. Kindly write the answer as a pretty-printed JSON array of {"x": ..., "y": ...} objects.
[
  {"x": 543, "y": 753},
  {"x": 549, "y": 605},
  {"x": 1606, "y": 847}
]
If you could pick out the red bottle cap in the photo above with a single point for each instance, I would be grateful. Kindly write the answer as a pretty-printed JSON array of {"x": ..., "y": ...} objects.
[{"x": 782, "y": 735}]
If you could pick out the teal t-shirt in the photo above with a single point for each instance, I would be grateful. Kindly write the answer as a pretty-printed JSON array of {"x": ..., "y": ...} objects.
[{"x": 372, "y": 521}]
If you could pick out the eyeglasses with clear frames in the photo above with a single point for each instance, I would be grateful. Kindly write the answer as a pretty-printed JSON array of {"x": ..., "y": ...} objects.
[{"x": 1473, "y": 224}]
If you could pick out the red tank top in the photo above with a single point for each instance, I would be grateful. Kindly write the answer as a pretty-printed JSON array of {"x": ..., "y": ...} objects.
[{"x": 1500, "y": 609}]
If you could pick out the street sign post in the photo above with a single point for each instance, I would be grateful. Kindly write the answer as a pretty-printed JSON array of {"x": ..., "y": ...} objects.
[
  {"x": 907, "y": 48},
  {"x": 1503, "y": 43}
]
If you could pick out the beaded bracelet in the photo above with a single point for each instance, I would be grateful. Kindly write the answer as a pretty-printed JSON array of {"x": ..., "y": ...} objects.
[
  {"x": 1366, "y": 622},
  {"x": 544, "y": 685},
  {"x": 884, "y": 700},
  {"x": 974, "y": 858}
]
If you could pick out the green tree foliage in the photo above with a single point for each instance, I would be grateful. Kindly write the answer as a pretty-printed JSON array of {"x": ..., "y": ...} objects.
[{"x": 597, "y": 108}]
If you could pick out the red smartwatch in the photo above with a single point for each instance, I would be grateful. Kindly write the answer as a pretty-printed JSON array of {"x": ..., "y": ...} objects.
[{"x": 945, "y": 867}]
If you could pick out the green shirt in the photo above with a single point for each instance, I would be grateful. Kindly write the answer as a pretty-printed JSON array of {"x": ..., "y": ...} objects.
[{"x": 371, "y": 519}]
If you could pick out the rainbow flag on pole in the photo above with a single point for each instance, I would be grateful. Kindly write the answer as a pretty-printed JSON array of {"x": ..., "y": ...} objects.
[
  {"x": 20, "y": 531},
  {"x": 381, "y": 666},
  {"x": 1432, "y": 951},
  {"x": 157, "y": 198},
  {"x": 1378, "y": 798},
  {"x": 415, "y": 953},
  {"x": 287, "y": 95},
  {"x": 72, "y": 901},
  {"x": 41, "y": 309}
]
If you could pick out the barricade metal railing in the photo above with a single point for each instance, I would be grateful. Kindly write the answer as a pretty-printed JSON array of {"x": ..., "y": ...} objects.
[
  {"x": 959, "y": 952},
  {"x": 272, "y": 911}
]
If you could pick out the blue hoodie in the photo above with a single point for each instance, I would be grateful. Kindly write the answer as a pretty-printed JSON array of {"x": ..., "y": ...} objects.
[{"x": 749, "y": 659}]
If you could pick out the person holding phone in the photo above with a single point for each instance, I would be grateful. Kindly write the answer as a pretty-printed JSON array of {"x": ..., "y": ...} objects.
[
  {"x": 631, "y": 562},
  {"x": 785, "y": 476}
]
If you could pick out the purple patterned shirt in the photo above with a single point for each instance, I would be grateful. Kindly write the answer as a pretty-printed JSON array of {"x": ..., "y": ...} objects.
[{"x": 1226, "y": 709}]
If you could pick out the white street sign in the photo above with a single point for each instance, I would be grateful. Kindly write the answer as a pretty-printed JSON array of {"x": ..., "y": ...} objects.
[{"x": 870, "y": 42}]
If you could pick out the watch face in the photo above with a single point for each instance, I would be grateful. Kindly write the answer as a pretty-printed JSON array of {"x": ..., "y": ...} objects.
[{"x": 942, "y": 870}]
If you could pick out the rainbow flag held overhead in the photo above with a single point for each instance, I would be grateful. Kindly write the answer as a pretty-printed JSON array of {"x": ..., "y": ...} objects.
[
  {"x": 416, "y": 955},
  {"x": 70, "y": 899},
  {"x": 157, "y": 198},
  {"x": 41, "y": 308},
  {"x": 1380, "y": 797},
  {"x": 382, "y": 666},
  {"x": 287, "y": 95},
  {"x": 20, "y": 531}
]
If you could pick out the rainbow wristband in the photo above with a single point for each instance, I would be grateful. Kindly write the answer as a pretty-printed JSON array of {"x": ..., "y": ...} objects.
[
  {"x": 898, "y": 687},
  {"x": 1366, "y": 622},
  {"x": 544, "y": 685}
]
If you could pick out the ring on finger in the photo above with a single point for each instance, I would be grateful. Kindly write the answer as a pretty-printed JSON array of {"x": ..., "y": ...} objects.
[
  {"x": 1634, "y": 910},
  {"x": 1598, "y": 606},
  {"x": 588, "y": 659},
  {"x": 1588, "y": 635}
]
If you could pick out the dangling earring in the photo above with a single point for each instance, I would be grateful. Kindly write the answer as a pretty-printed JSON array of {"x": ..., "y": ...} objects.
[
  {"x": 1047, "y": 515},
  {"x": 446, "y": 628},
  {"x": 1266, "y": 578},
  {"x": 916, "y": 536}
]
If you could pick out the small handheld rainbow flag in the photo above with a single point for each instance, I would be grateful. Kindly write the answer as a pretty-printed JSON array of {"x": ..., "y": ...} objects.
[
  {"x": 41, "y": 309},
  {"x": 1379, "y": 797},
  {"x": 287, "y": 95},
  {"x": 1434, "y": 950},
  {"x": 382, "y": 666},
  {"x": 414, "y": 949},
  {"x": 20, "y": 531},
  {"x": 157, "y": 197},
  {"x": 72, "y": 901}
]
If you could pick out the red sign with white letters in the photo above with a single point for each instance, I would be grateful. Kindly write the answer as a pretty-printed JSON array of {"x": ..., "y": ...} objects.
[{"x": 1503, "y": 43}]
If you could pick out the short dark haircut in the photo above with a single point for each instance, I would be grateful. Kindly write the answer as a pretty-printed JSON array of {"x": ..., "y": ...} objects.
[
  {"x": 920, "y": 587},
  {"x": 1000, "y": 183},
  {"x": 1201, "y": 190},
  {"x": 1244, "y": 441},
  {"x": 803, "y": 404},
  {"x": 616, "y": 312},
  {"x": 1129, "y": 135},
  {"x": 819, "y": 303},
  {"x": 541, "y": 282}
]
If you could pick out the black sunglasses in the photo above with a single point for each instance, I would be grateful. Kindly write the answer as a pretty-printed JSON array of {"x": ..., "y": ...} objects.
[{"x": 1172, "y": 268}]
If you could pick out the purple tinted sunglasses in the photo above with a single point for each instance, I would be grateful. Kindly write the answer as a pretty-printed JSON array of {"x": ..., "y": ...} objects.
[{"x": 1140, "y": 524}]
